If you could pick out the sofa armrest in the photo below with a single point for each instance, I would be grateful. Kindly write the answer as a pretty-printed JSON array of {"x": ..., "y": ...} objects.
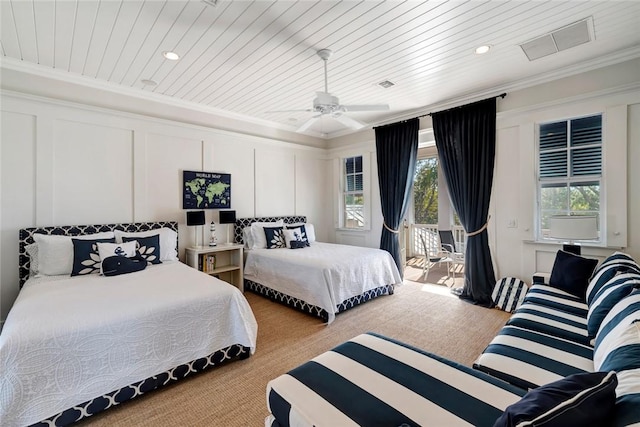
[{"x": 541, "y": 278}]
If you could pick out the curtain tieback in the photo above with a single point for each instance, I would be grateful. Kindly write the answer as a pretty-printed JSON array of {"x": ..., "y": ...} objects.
[
  {"x": 481, "y": 229},
  {"x": 390, "y": 229}
]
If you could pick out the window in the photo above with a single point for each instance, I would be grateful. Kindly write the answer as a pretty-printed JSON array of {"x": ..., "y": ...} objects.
[
  {"x": 353, "y": 200},
  {"x": 569, "y": 169},
  {"x": 425, "y": 191}
]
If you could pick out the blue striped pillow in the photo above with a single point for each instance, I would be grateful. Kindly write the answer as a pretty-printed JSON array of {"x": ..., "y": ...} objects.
[
  {"x": 608, "y": 296},
  {"x": 508, "y": 293},
  {"x": 618, "y": 262}
]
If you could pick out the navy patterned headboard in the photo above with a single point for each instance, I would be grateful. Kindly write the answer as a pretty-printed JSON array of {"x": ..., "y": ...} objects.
[
  {"x": 245, "y": 222},
  {"x": 26, "y": 236}
]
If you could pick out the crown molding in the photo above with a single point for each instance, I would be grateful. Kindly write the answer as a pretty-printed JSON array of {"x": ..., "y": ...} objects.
[
  {"x": 572, "y": 70},
  {"x": 64, "y": 76}
]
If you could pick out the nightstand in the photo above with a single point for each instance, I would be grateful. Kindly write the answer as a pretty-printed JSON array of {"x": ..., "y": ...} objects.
[{"x": 223, "y": 261}]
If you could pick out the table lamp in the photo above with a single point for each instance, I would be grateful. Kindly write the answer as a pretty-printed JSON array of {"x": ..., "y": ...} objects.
[
  {"x": 195, "y": 218},
  {"x": 228, "y": 217},
  {"x": 571, "y": 228}
]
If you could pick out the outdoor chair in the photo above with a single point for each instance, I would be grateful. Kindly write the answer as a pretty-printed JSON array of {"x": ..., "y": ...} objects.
[
  {"x": 448, "y": 244},
  {"x": 431, "y": 259}
]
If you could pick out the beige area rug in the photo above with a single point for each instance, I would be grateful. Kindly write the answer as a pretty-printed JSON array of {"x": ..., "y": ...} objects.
[{"x": 424, "y": 315}]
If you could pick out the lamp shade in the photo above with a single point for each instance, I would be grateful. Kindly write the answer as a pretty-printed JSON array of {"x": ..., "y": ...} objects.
[
  {"x": 573, "y": 227},
  {"x": 195, "y": 218},
  {"x": 227, "y": 217}
]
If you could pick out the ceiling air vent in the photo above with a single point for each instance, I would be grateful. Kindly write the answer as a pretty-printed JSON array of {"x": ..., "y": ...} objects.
[
  {"x": 562, "y": 39},
  {"x": 386, "y": 84}
]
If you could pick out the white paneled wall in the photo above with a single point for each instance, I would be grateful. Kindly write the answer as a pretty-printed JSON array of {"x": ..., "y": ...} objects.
[
  {"x": 91, "y": 173},
  {"x": 275, "y": 182},
  {"x": 65, "y": 163}
]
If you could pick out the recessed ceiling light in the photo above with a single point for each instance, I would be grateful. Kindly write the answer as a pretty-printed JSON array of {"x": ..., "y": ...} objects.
[
  {"x": 172, "y": 56},
  {"x": 386, "y": 84},
  {"x": 148, "y": 82},
  {"x": 483, "y": 49}
]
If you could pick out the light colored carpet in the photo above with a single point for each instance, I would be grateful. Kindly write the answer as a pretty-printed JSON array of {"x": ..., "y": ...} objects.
[{"x": 421, "y": 314}]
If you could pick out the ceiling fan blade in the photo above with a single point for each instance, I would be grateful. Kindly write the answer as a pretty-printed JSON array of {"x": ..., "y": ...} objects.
[
  {"x": 349, "y": 122},
  {"x": 306, "y": 125},
  {"x": 308, "y": 110},
  {"x": 378, "y": 107}
]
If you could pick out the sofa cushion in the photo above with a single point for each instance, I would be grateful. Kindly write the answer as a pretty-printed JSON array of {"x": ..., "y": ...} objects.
[
  {"x": 571, "y": 273},
  {"x": 553, "y": 312},
  {"x": 617, "y": 263},
  {"x": 580, "y": 399},
  {"x": 392, "y": 383},
  {"x": 529, "y": 359},
  {"x": 609, "y": 295}
]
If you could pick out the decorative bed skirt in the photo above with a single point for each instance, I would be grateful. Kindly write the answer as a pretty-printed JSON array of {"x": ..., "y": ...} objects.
[
  {"x": 99, "y": 404},
  {"x": 313, "y": 310}
]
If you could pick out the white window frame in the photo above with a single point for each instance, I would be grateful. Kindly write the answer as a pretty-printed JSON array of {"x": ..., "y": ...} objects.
[
  {"x": 366, "y": 191},
  {"x": 601, "y": 241}
]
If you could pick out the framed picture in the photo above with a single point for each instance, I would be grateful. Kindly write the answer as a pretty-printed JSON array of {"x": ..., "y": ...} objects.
[{"x": 206, "y": 190}]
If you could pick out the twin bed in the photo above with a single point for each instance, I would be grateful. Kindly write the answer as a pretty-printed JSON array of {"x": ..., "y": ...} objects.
[
  {"x": 322, "y": 279},
  {"x": 74, "y": 346}
]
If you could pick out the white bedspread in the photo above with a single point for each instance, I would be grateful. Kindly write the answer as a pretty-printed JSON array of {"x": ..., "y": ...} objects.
[
  {"x": 70, "y": 340},
  {"x": 324, "y": 274}
]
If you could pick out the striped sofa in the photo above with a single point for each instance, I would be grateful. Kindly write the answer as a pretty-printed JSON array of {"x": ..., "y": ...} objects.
[
  {"x": 554, "y": 334},
  {"x": 372, "y": 380}
]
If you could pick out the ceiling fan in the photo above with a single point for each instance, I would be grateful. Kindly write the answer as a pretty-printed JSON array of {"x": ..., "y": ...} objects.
[{"x": 326, "y": 104}]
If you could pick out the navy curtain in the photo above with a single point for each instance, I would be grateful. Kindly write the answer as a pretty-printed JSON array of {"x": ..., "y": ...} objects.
[
  {"x": 466, "y": 143},
  {"x": 396, "y": 151}
]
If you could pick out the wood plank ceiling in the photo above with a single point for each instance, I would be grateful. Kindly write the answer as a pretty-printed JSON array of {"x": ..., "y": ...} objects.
[{"x": 252, "y": 57}]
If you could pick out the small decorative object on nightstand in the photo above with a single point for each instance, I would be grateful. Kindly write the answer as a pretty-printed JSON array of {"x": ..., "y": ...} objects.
[
  {"x": 213, "y": 240},
  {"x": 224, "y": 261}
]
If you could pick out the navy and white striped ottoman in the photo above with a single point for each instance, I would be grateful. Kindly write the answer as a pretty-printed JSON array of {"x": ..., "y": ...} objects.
[{"x": 372, "y": 380}]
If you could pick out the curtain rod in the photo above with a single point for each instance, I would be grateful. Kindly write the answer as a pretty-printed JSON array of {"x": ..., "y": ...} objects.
[{"x": 502, "y": 95}]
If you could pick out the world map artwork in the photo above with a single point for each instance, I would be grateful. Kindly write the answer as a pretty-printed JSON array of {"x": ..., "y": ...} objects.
[{"x": 206, "y": 190}]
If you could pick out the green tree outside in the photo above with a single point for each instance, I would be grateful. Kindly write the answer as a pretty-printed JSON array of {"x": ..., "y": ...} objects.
[{"x": 425, "y": 191}]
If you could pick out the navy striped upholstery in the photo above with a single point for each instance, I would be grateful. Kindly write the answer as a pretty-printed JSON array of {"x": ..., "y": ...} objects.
[
  {"x": 529, "y": 359},
  {"x": 509, "y": 293},
  {"x": 393, "y": 384},
  {"x": 619, "y": 262},
  {"x": 552, "y": 321},
  {"x": 617, "y": 348},
  {"x": 608, "y": 296}
]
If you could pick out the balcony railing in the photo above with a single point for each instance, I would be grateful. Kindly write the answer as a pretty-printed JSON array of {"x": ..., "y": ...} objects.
[{"x": 432, "y": 240}]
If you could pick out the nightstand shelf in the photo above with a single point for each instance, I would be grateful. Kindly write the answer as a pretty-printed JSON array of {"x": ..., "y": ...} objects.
[{"x": 224, "y": 261}]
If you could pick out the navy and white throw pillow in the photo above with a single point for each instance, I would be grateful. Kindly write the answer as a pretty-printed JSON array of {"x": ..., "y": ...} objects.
[
  {"x": 576, "y": 400},
  {"x": 147, "y": 247},
  {"x": 275, "y": 237},
  {"x": 86, "y": 259},
  {"x": 295, "y": 235},
  {"x": 302, "y": 232},
  {"x": 106, "y": 250},
  {"x": 509, "y": 293}
]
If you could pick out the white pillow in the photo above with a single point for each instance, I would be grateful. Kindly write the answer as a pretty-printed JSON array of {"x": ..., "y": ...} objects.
[
  {"x": 55, "y": 253},
  {"x": 32, "y": 253},
  {"x": 168, "y": 241},
  {"x": 247, "y": 238},
  {"x": 106, "y": 250},
  {"x": 257, "y": 233}
]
